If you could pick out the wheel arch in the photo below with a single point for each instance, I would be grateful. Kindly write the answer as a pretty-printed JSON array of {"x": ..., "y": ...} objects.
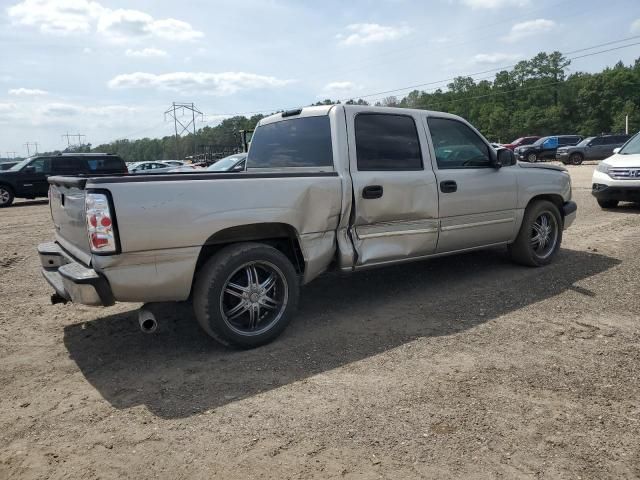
[
  {"x": 554, "y": 198},
  {"x": 281, "y": 236}
]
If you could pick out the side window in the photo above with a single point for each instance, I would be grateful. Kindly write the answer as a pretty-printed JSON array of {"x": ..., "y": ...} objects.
[
  {"x": 41, "y": 165},
  {"x": 596, "y": 142},
  {"x": 387, "y": 142},
  {"x": 456, "y": 145},
  {"x": 104, "y": 164},
  {"x": 551, "y": 142},
  {"x": 68, "y": 166}
]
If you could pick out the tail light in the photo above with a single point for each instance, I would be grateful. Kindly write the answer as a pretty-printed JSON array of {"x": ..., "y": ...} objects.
[{"x": 100, "y": 224}]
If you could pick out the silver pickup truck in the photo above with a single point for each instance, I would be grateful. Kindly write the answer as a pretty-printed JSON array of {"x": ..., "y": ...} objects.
[{"x": 334, "y": 187}]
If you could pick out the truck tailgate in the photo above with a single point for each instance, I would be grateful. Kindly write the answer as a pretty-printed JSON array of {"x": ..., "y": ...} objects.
[{"x": 68, "y": 213}]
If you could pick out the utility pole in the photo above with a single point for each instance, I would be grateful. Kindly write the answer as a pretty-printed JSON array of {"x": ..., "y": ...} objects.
[
  {"x": 11, "y": 155},
  {"x": 626, "y": 124},
  {"x": 172, "y": 112}
]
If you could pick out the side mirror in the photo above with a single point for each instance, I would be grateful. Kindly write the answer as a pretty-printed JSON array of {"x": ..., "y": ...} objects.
[
  {"x": 29, "y": 169},
  {"x": 616, "y": 150},
  {"x": 503, "y": 158}
]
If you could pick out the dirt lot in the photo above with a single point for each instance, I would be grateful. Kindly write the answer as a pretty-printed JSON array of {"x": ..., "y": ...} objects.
[{"x": 461, "y": 367}]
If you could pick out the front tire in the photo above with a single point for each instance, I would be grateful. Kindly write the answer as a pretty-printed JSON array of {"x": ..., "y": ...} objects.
[
  {"x": 532, "y": 158},
  {"x": 246, "y": 294},
  {"x": 608, "y": 203},
  {"x": 540, "y": 235},
  {"x": 6, "y": 196},
  {"x": 576, "y": 159}
]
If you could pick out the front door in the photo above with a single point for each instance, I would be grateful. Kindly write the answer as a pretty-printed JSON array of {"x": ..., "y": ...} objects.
[
  {"x": 33, "y": 178},
  {"x": 395, "y": 211},
  {"x": 477, "y": 201}
]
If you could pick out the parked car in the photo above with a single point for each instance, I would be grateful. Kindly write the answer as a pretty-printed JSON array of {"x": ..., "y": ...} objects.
[
  {"x": 184, "y": 168},
  {"x": 232, "y": 163},
  {"x": 28, "y": 178},
  {"x": 545, "y": 148},
  {"x": 345, "y": 186},
  {"x": 617, "y": 179},
  {"x": 591, "y": 148},
  {"x": 6, "y": 165},
  {"x": 173, "y": 163},
  {"x": 149, "y": 167},
  {"x": 520, "y": 142}
]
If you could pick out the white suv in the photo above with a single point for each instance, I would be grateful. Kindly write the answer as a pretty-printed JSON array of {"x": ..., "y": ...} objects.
[{"x": 617, "y": 179}]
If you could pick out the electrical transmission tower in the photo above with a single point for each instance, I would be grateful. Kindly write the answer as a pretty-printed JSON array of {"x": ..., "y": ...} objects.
[
  {"x": 181, "y": 108},
  {"x": 29, "y": 144},
  {"x": 69, "y": 136}
]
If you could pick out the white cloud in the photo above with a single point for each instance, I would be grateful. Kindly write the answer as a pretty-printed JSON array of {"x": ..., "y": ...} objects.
[
  {"x": 364, "y": 33},
  {"x": 7, "y": 107},
  {"x": 87, "y": 50},
  {"x": 493, "y": 58},
  {"x": 145, "y": 53},
  {"x": 84, "y": 16},
  {"x": 494, "y": 4},
  {"x": 635, "y": 26},
  {"x": 338, "y": 89},
  {"x": 220, "y": 84},
  {"x": 27, "y": 92},
  {"x": 529, "y": 28}
]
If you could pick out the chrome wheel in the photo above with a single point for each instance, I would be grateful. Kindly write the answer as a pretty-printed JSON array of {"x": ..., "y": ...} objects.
[
  {"x": 544, "y": 234},
  {"x": 5, "y": 196},
  {"x": 532, "y": 157},
  {"x": 254, "y": 298}
]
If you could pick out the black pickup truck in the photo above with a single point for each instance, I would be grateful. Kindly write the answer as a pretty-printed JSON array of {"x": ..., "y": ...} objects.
[{"x": 29, "y": 178}]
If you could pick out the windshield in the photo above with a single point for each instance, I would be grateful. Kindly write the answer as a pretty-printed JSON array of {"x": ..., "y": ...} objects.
[
  {"x": 540, "y": 141},
  {"x": 585, "y": 142},
  {"x": 226, "y": 163},
  {"x": 632, "y": 147},
  {"x": 18, "y": 166}
]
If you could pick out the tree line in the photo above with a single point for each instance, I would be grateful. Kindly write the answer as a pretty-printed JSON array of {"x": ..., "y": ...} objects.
[{"x": 536, "y": 97}]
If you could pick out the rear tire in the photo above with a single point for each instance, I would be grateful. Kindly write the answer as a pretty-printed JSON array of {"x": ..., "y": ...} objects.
[
  {"x": 608, "y": 203},
  {"x": 576, "y": 159},
  {"x": 540, "y": 235},
  {"x": 6, "y": 196},
  {"x": 246, "y": 294}
]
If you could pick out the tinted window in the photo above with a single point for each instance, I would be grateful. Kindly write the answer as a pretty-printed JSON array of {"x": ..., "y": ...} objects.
[
  {"x": 456, "y": 145},
  {"x": 41, "y": 165},
  {"x": 387, "y": 142},
  {"x": 551, "y": 142},
  {"x": 528, "y": 140},
  {"x": 105, "y": 164},
  {"x": 69, "y": 166},
  {"x": 300, "y": 142},
  {"x": 572, "y": 140},
  {"x": 597, "y": 141},
  {"x": 620, "y": 139}
]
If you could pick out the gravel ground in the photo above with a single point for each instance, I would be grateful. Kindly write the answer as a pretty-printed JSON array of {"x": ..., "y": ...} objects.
[{"x": 461, "y": 367}]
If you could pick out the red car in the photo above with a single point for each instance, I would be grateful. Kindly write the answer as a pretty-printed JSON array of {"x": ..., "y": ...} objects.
[{"x": 520, "y": 141}]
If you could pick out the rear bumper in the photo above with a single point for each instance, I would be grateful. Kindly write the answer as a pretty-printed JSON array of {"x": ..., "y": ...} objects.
[
  {"x": 570, "y": 210},
  {"x": 71, "y": 280},
  {"x": 620, "y": 193}
]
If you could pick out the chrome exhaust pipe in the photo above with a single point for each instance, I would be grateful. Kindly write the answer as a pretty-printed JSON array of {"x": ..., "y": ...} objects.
[{"x": 147, "y": 321}]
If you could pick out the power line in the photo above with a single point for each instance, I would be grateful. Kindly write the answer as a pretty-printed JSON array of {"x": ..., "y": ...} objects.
[{"x": 492, "y": 70}]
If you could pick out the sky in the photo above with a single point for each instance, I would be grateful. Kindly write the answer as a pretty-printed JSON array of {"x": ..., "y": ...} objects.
[{"x": 110, "y": 69}]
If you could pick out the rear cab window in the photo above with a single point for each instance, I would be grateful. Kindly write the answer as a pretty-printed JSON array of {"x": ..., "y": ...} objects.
[{"x": 292, "y": 143}]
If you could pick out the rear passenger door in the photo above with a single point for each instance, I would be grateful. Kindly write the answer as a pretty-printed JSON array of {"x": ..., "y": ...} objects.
[
  {"x": 395, "y": 214},
  {"x": 477, "y": 201}
]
